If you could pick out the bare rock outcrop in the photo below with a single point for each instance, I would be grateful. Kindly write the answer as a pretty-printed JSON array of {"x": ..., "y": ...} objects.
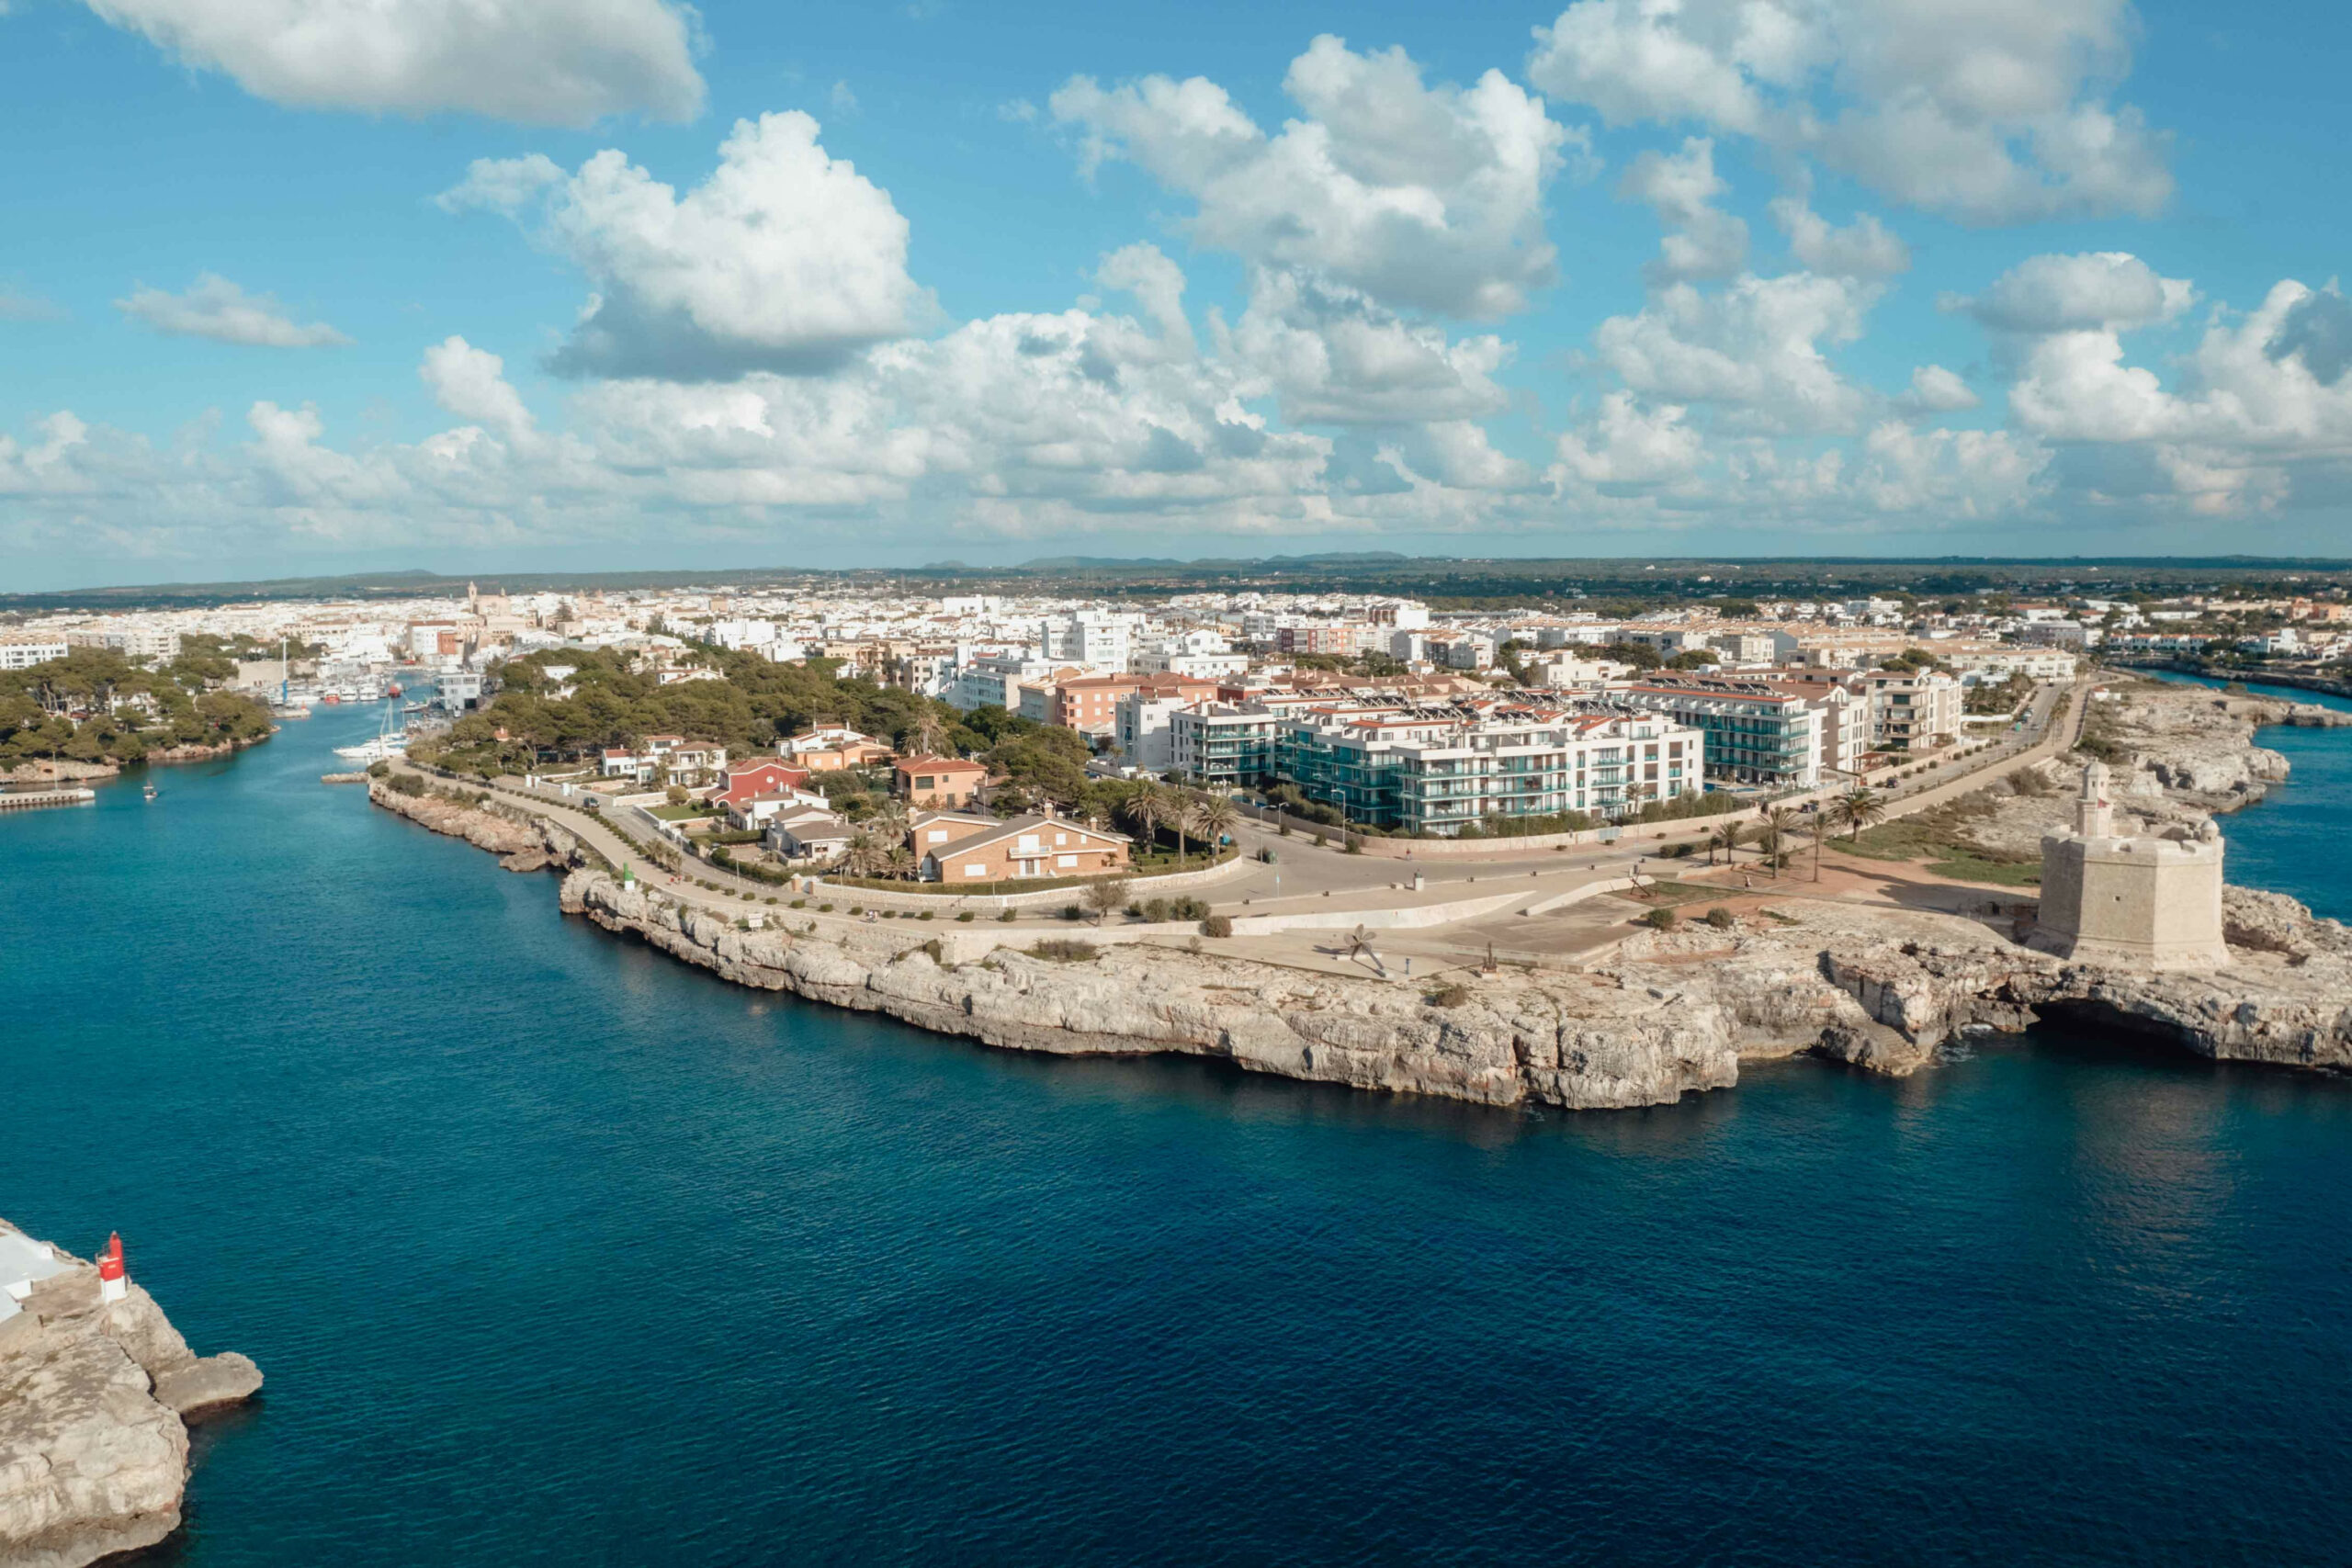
[
  {"x": 1882, "y": 989},
  {"x": 1575, "y": 1041},
  {"x": 2190, "y": 744},
  {"x": 56, "y": 771},
  {"x": 93, "y": 1440},
  {"x": 521, "y": 842}
]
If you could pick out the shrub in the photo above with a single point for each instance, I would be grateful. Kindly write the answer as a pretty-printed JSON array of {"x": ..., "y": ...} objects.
[
  {"x": 1217, "y": 925},
  {"x": 1723, "y": 919},
  {"x": 1453, "y": 994},
  {"x": 1659, "y": 920},
  {"x": 963, "y": 914},
  {"x": 858, "y": 908},
  {"x": 800, "y": 903},
  {"x": 824, "y": 908},
  {"x": 938, "y": 954},
  {"x": 924, "y": 916},
  {"x": 1321, "y": 842},
  {"x": 1152, "y": 909},
  {"x": 889, "y": 914},
  {"x": 377, "y": 770},
  {"x": 1073, "y": 912},
  {"x": 1064, "y": 949},
  {"x": 1008, "y": 917}
]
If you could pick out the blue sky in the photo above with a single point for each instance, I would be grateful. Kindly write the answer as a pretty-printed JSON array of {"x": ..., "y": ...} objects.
[{"x": 317, "y": 285}]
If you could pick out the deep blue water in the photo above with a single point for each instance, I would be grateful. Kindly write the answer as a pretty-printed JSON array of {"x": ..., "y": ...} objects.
[
  {"x": 2293, "y": 840},
  {"x": 555, "y": 1251}
]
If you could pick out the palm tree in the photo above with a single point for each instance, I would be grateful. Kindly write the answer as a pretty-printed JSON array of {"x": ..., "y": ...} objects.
[
  {"x": 1180, "y": 817},
  {"x": 1727, "y": 836},
  {"x": 1778, "y": 824},
  {"x": 1818, "y": 826},
  {"x": 1214, "y": 817},
  {"x": 931, "y": 733},
  {"x": 1146, "y": 809},
  {"x": 900, "y": 861},
  {"x": 862, "y": 854},
  {"x": 1858, "y": 808}
]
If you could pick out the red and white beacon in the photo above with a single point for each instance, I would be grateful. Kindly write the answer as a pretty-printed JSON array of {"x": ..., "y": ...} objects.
[{"x": 114, "y": 1282}]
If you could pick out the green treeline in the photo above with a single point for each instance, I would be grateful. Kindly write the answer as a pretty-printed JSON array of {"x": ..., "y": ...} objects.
[
  {"x": 134, "y": 709},
  {"x": 602, "y": 702}
]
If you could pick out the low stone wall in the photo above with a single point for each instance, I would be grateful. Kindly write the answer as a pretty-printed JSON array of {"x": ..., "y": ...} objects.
[
  {"x": 1382, "y": 848},
  {"x": 950, "y": 904}
]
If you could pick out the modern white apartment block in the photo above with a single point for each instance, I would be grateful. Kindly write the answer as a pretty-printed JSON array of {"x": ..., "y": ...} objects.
[
  {"x": 22, "y": 652},
  {"x": 1440, "y": 770}
]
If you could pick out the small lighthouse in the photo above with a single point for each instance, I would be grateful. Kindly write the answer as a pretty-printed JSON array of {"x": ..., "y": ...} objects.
[{"x": 114, "y": 1282}]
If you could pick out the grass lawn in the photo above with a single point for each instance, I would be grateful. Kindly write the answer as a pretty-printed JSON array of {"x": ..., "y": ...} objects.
[
  {"x": 1938, "y": 836},
  {"x": 1673, "y": 895},
  {"x": 1975, "y": 868},
  {"x": 683, "y": 813}
]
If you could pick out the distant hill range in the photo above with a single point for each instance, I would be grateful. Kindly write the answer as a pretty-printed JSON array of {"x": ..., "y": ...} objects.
[{"x": 1462, "y": 580}]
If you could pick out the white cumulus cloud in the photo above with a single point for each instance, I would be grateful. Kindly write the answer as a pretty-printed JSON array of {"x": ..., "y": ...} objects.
[
  {"x": 217, "y": 309},
  {"x": 2076, "y": 293},
  {"x": 1863, "y": 248},
  {"x": 471, "y": 383},
  {"x": 1426, "y": 198},
  {"x": 542, "y": 62},
  {"x": 1627, "y": 443},
  {"x": 1333, "y": 354},
  {"x": 1992, "y": 111},
  {"x": 1702, "y": 240},
  {"x": 1755, "y": 349},
  {"x": 784, "y": 259},
  {"x": 1935, "y": 389}
]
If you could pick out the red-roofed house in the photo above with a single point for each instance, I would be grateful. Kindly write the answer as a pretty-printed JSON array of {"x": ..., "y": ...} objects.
[
  {"x": 745, "y": 779},
  {"x": 937, "y": 780},
  {"x": 1028, "y": 847}
]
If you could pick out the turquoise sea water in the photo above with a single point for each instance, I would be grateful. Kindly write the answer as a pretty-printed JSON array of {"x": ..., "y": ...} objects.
[
  {"x": 2297, "y": 840},
  {"x": 557, "y": 1252}
]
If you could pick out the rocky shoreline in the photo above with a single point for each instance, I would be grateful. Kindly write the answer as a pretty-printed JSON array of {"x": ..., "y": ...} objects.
[
  {"x": 95, "y": 1401},
  {"x": 1885, "y": 989},
  {"x": 60, "y": 771}
]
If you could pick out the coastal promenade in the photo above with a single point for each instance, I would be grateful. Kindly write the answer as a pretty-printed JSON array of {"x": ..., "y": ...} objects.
[
  {"x": 1550, "y": 907},
  {"x": 1444, "y": 911}
]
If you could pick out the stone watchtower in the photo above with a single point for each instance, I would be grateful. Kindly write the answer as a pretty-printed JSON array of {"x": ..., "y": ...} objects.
[{"x": 2130, "y": 901}]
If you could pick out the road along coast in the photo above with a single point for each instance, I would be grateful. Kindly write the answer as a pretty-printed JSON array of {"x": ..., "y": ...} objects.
[
  {"x": 1659, "y": 1014},
  {"x": 97, "y": 1388}
]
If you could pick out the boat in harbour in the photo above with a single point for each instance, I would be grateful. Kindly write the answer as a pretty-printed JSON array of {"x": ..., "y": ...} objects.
[{"x": 392, "y": 740}]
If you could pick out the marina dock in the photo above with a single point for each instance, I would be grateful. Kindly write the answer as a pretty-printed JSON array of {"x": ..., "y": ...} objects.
[{"x": 25, "y": 799}]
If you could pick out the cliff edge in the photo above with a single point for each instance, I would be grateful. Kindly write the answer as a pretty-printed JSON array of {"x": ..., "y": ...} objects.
[{"x": 93, "y": 1402}]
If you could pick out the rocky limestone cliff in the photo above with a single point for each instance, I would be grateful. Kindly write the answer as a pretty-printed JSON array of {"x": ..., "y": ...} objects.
[
  {"x": 1881, "y": 989},
  {"x": 1562, "y": 1040},
  {"x": 2190, "y": 745},
  {"x": 1643, "y": 1031},
  {"x": 93, "y": 1407},
  {"x": 522, "y": 842}
]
